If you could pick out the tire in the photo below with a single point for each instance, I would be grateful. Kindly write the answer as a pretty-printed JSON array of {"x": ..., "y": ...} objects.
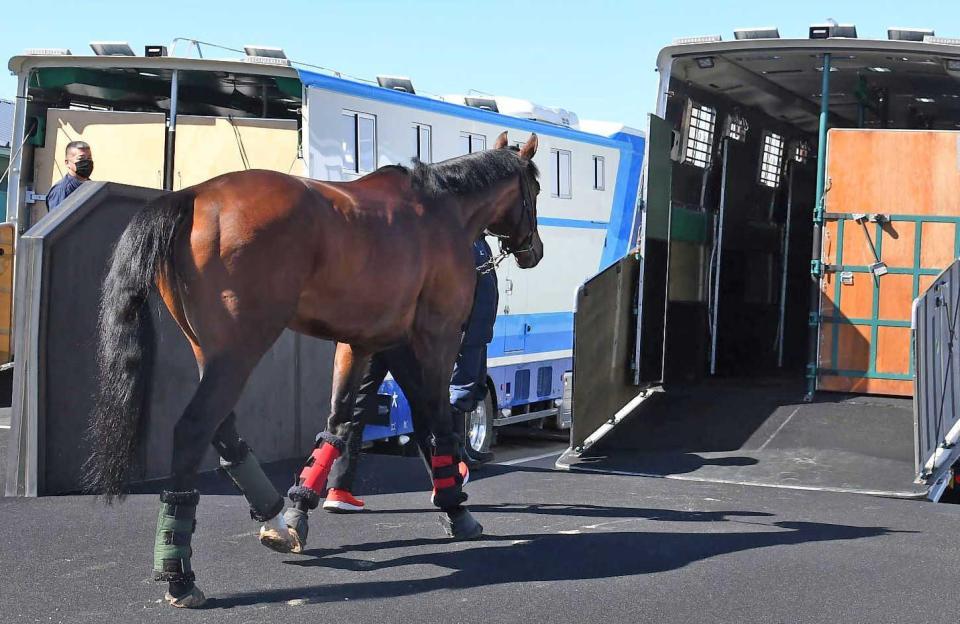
[{"x": 478, "y": 425}]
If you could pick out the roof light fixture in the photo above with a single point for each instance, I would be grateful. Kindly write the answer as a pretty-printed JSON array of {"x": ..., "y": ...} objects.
[
  {"x": 880, "y": 70},
  {"x": 926, "y": 100},
  {"x": 705, "y": 62}
]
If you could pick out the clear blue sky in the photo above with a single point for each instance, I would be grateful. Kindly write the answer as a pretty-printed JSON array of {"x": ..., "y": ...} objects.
[{"x": 594, "y": 57}]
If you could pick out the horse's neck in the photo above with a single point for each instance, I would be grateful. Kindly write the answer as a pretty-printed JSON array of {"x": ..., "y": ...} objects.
[{"x": 481, "y": 209}]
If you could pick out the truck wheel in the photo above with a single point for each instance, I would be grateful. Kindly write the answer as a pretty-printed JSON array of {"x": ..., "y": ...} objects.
[{"x": 478, "y": 425}]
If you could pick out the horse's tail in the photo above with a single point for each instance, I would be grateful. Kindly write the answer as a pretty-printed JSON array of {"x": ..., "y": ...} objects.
[{"x": 126, "y": 343}]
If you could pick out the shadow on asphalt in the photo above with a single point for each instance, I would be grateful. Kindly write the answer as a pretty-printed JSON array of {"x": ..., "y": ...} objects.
[{"x": 542, "y": 557}]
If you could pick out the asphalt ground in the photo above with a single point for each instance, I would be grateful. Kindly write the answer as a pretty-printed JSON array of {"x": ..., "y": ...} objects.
[{"x": 571, "y": 547}]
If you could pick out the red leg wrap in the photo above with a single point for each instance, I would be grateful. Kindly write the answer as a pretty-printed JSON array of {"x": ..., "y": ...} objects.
[
  {"x": 444, "y": 471},
  {"x": 314, "y": 474}
]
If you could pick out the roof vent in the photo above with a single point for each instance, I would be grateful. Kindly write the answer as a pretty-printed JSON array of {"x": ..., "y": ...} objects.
[
  {"x": 703, "y": 39},
  {"x": 396, "y": 83},
  {"x": 898, "y": 33},
  {"x": 485, "y": 103},
  {"x": 111, "y": 48},
  {"x": 48, "y": 52},
  {"x": 264, "y": 51},
  {"x": 764, "y": 32}
]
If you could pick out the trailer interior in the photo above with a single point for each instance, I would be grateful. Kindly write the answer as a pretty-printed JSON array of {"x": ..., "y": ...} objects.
[{"x": 737, "y": 338}]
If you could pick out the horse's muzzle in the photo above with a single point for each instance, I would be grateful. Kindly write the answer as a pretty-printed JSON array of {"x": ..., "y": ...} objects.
[{"x": 531, "y": 258}]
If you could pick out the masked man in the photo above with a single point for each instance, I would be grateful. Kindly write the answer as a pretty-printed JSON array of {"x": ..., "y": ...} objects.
[{"x": 79, "y": 162}]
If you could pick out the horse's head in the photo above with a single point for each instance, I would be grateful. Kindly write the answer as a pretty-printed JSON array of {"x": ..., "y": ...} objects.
[{"x": 517, "y": 226}]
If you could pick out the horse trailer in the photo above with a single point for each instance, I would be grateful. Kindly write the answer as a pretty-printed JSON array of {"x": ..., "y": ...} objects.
[{"x": 799, "y": 196}]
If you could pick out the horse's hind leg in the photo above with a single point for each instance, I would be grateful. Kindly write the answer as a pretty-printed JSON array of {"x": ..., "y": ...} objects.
[
  {"x": 239, "y": 463},
  {"x": 220, "y": 386}
]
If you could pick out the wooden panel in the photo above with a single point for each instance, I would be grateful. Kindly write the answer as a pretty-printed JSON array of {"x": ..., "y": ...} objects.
[
  {"x": 897, "y": 240},
  {"x": 893, "y": 350},
  {"x": 862, "y": 385},
  {"x": 211, "y": 146},
  {"x": 896, "y": 296},
  {"x": 826, "y": 345},
  {"x": 127, "y": 147},
  {"x": 937, "y": 246},
  {"x": 829, "y": 246},
  {"x": 6, "y": 291},
  {"x": 856, "y": 298},
  {"x": 893, "y": 172},
  {"x": 854, "y": 347},
  {"x": 856, "y": 247},
  {"x": 828, "y": 306}
]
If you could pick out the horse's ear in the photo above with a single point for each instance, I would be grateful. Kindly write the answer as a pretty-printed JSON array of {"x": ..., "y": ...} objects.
[
  {"x": 501, "y": 141},
  {"x": 529, "y": 148}
]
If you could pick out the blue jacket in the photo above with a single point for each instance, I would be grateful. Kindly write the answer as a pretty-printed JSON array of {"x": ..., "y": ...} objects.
[
  {"x": 61, "y": 190},
  {"x": 486, "y": 298}
]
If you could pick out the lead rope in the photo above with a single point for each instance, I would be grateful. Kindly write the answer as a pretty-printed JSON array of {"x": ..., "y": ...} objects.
[{"x": 494, "y": 261}]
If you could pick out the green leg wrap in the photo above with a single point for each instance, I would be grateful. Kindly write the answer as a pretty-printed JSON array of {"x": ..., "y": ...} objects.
[
  {"x": 265, "y": 501},
  {"x": 175, "y": 526}
]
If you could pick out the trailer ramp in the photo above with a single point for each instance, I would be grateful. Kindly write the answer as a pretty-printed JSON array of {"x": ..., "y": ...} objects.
[{"x": 760, "y": 433}]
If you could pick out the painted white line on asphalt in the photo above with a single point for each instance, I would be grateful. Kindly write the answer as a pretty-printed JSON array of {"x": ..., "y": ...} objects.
[
  {"x": 523, "y": 460},
  {"x": 779, "y": 429}
]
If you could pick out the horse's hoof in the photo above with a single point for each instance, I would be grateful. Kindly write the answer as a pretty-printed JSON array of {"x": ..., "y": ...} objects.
[
  {"x": 194, "y": 599},
  {"x": 460, "y": 525},
  {"x": 279, "y": 542},
  {"x": 296, "y": 520}
]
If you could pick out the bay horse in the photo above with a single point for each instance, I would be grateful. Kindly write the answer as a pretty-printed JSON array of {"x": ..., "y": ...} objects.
[{"x": 371, "y": 263}]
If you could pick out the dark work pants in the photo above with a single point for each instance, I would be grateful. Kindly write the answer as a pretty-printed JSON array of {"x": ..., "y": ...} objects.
[
  {"x": 468, "y": 385},
  {"x": 400, "y": 363}
]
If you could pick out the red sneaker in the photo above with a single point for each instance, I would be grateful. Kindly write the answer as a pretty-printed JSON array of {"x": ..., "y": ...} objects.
[{"x": 342, "y": 501}]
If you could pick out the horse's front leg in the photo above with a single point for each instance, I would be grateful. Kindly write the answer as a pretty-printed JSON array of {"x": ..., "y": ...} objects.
[
  {"x": 435, "y": 353},
  {"x": 350, "y": 363}
]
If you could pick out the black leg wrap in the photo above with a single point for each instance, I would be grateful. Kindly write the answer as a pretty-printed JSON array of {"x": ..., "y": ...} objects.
[
  {"x": 331, "y": 439},
  {"x": 460, "y": 524},
  {"x": 246, "y": 473},
  {"x": 271, "y": 512},
  {"x": 304, "y": 495}
]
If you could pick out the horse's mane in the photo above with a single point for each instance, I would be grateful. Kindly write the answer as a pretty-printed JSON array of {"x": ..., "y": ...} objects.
[{"x": 467, "y": 174}]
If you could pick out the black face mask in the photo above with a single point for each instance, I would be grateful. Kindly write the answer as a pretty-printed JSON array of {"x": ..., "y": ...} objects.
[{"x": 84, "y": 168}]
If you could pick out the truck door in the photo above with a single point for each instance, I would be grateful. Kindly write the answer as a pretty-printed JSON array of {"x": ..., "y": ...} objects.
[{"x": 655, "y": 254}]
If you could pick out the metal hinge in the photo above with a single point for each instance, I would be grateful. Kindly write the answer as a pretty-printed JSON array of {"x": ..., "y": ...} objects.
[
  {"x": 31, "y": 198},
  {"x": 817, "y": 268}
]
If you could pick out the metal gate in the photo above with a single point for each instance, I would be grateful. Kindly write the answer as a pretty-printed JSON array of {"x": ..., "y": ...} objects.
[{"x": 937, "y": 396}]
